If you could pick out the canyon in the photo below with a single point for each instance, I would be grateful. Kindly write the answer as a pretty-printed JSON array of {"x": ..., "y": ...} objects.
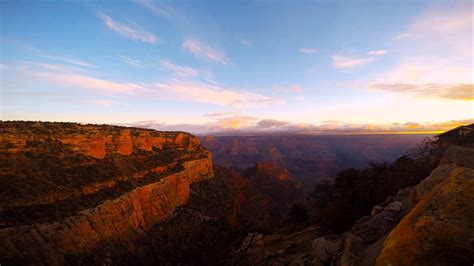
[
  {"x": 76, "y": 194},
  {"x": 311, "y": 159},
  {"x": 72, "y": 192}
]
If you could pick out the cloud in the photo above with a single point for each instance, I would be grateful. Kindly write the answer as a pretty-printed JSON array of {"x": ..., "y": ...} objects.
[
  {"x": 133, "y": 32},
  {"x": 174, "y": 90},
  {"x": 202, "y": 50},
  {"x": 64, "y": 77},
  {"x": 156, "y": 8},
  {"x": 245, "y": 42},
  {"x": 437, "y": 62},
  {"x": 445, "y": 20},
  {"x": 56, "y": 67},
  {"x": 183, "y": 71},
  {"x": 102, "y": 103},
  {"x": 271, "y": 123},
  {"x": 132, "y": 62},
  {"x": 69, "y": 60},
  {"x": 377, "y": 52},
  {"x": 293, "y": 89},
  {"x": 347, "y": 62},
  {"x": 446, "y": 28},
  {"x": 221, "y": 114},
  {"x": 241, "y": 124},
  {"x": 87, "y": 82},
  {"x": 449, "y": 91},
  {"x": 209, "y": 93},
  {"x": 221, "y": 124},
  {"x": 403, "y": 36},
  {"x": 235, "y": 122},
  {"x": 307, "y": 50}
]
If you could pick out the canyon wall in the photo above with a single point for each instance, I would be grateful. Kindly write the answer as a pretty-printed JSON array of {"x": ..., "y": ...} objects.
[
  {"x": 150, "y": 195},
  {"x": 92, "y": 140}
]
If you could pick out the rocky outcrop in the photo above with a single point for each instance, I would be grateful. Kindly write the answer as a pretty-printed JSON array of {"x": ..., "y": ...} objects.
[
  {"x": 439, "y": 230},
  {"x": 145, "y": 192},
  {"x": 279, "y": 249},
  {"x": 93, "y": 140},
  {"x": 427, "y": 224}
]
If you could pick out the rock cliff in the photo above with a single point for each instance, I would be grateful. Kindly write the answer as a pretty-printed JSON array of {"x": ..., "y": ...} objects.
[
  {"x": 95, "y": 141},
  {"x": 427, "y": 224},
  {"x": 89, "y": 184},
  {"x": 439, "y": 230}
]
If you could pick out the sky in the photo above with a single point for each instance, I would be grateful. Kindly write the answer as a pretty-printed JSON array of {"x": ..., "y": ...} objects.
[{"x": 240, "y": 66}]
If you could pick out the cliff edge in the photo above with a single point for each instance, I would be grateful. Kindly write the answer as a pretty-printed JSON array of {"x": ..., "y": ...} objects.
[
  {"x": 427, "y": 224},
  {"x": 66, "y": 186}
]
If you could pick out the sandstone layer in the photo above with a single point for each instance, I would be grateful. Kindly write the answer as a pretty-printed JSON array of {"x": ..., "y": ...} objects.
[{"x": 159, "y": 169}]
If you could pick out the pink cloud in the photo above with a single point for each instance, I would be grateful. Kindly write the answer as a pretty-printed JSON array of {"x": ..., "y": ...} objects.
[
  {"x": 348, "y": 62},
  {"x": 134, "y": 32},
  {"x": 202, "y": 50},
  {"x": 207, "y": 93}
]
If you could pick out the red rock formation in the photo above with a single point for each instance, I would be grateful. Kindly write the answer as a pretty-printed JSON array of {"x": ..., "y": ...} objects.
[
  {"x": 98, "y": 142},
  {"x": 50, "y": 242}
]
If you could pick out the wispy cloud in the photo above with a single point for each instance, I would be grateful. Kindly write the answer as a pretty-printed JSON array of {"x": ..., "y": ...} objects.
[
  {"x": 245, "y": 42},
  {"x": 221, "y": 114},
  {"x": 57, "y": 74},
  {"x": 453, "y": 19},
  {"x": 293, "y": 89},
  {"x": 377, "y": 52},
  {"x": 19, "y": 44},
  {"x": 439, "y": 64},
  {"x": 208, "y": 93},
  {"x": 449, "y": 91},
  {"x": 69, "y": 60},
  {"x": 131, "y": 31},
  {"x": 132, "y": 62},
  {"x": 202, "y": 50},
  {"x": 87, "y": 82},
  {"x": 307, "y": 50},
  {"x": 102, "y": 103},
  {"x": 341, "y": 62},
  {"x": 172, "y": 90},
  {"x": 403, "y": 36},
  {"x": 56, "y": 67},
  {"x": 183, "y": 71},
  {"x": 157, "y": 8}
]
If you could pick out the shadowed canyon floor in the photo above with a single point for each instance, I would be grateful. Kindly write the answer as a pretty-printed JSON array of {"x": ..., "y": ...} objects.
[{"x": 310, "y": 159}]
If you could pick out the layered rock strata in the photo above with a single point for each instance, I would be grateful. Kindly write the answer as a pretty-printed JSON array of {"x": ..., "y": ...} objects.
[{"x": 129, "y": 203}]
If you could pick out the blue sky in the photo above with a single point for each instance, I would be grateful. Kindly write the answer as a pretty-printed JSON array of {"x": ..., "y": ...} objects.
[{"x": 239, "y": 65}]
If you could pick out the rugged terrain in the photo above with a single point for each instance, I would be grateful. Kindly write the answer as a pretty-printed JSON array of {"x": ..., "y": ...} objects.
[
  {"x": 427, "y": 224},
  {"x": 97, "y": 194},
  {"x": 81, "y": 194},
  {"x": 67, "y": 187}
]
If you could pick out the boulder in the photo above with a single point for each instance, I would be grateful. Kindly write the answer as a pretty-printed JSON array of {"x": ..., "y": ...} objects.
[
  {"x": 325, "y": 247},
  {"x": 395, "y": 206},
  {"x": 439, "y": 229},
  {"x": 376, "y": 210}
]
